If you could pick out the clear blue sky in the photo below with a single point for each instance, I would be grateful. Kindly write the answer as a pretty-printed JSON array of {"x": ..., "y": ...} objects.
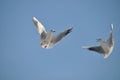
[{"x": 22, "y": 58}]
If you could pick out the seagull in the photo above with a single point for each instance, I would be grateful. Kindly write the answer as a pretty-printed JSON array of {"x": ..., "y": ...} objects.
[
  {"x": 106, "y": 47},
  {"x": 48, "y": 39}
]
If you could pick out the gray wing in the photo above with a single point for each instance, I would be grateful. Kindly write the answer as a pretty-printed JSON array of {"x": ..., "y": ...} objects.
[
  {"x": 40, "y": 28},
  {"x": 98, "y": 49},
  {"x": 110, "y": 41},
  {"x": 62, "y": 34}
]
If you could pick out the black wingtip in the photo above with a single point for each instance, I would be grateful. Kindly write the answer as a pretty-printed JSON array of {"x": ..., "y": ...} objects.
[
  {"x": 69, "y": 30},
  {"x": 90, "y": 48}
]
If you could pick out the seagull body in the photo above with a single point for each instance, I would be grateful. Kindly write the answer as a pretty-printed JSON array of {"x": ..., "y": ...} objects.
[
  {"x": 105, "y": 47},
  {"x": 48, "y": 39}
]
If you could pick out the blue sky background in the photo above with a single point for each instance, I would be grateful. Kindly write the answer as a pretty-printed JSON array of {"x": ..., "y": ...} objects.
[{"x": 22, "y": 58}]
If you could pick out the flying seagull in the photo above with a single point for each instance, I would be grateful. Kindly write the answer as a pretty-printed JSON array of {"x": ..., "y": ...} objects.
[
  {"x": 48, "y": 39},
  {"x": 105, "y": 47}
]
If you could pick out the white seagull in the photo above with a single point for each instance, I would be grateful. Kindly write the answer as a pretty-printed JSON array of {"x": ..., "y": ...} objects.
[
  {"x": 48, "y": 39},
  {"x": 105, "y": 47}
]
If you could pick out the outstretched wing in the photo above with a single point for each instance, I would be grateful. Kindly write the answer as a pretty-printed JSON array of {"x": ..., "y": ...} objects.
[
  {"x": 40, "y": 27},
  {"x": 98, "y": 49},
  {"x": 62, "y": 34},
  {"x": 110, "y": 41}
]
